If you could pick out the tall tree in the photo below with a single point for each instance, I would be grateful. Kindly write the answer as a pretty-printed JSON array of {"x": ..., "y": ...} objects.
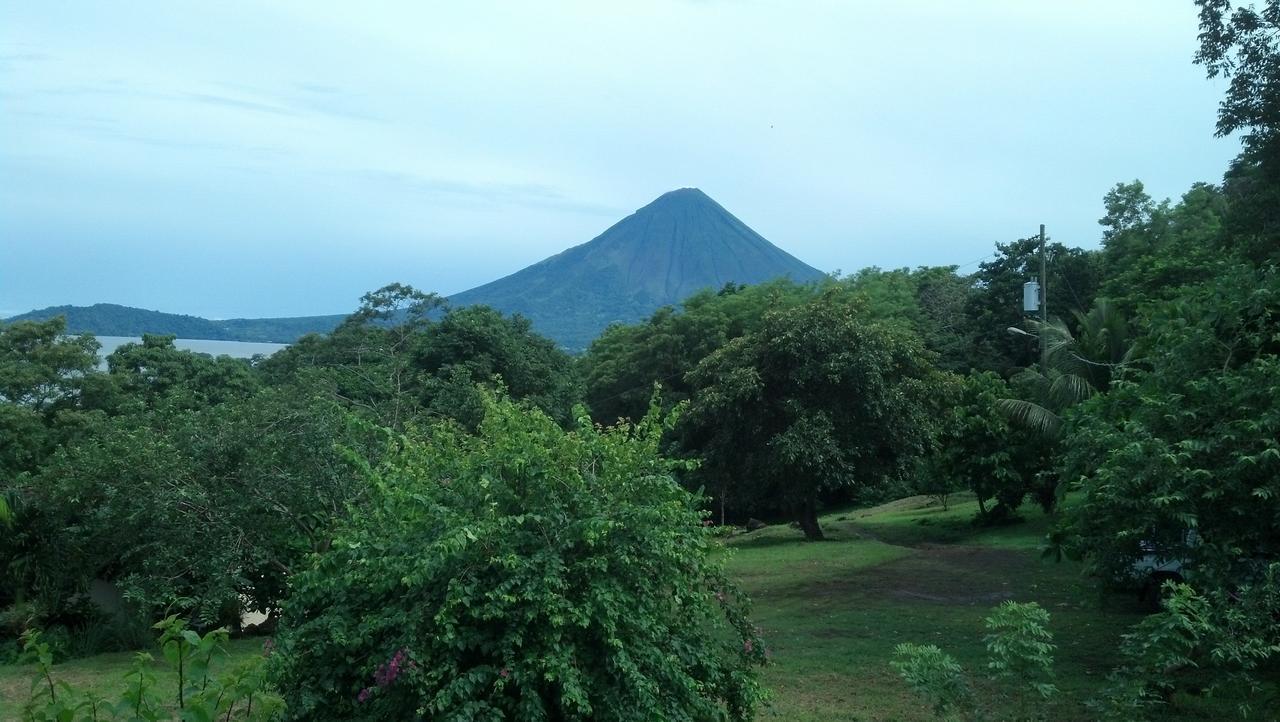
[
  {"x": 1242, "y": 43},
  {"x": 623, "y": 364},
  {"x": 368, "y": 361},
  {"x": 40, "y": 367},
  {"x": 931, "y": 301},
  {"x": 472, "y": 346},
  {"x": 979, "y": 450},
  {"x": 1151, "y": 250},
  {"x": 155, "y": 371},
  {"x": 43, "y": 377},
  {"x": 819, "y": 398}
]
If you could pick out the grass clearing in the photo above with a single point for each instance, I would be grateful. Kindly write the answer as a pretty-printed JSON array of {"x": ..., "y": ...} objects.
[{"x": 910, "y": 572}]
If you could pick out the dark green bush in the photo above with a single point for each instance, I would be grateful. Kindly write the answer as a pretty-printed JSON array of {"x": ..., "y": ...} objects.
[{"x": 523, "y": 573}]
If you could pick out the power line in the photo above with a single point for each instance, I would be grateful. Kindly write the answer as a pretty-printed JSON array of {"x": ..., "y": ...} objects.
[{"x": 978, "y": 260}]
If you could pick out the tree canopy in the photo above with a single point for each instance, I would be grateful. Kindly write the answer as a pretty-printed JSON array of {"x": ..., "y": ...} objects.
[{"x": 819, "y": 398}]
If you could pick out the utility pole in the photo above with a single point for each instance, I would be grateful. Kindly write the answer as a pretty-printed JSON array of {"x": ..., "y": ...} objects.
[{"x": 1044, "y": 307}]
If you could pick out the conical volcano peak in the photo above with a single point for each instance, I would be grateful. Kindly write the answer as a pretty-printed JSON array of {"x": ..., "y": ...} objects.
[
  {"x": 683, "y": 194},
  {"x": 678, "y": 244},
  {"x": 680, "y": 198}
]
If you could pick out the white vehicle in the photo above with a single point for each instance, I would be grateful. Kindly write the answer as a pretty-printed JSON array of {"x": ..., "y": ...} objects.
[{"x": 1152, "y": 570}]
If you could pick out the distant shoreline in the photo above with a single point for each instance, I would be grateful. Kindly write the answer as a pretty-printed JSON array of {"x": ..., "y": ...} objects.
[{"x": 213, "y": 347}]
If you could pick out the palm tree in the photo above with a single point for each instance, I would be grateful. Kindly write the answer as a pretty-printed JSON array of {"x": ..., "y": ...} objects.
[{"x": 1076, "y": 367}]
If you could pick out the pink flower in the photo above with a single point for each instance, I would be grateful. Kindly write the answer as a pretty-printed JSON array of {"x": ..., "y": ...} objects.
[
  {"x": 747, "y": 646},
  {"x": 363, "y": 696},
  {"x": 387, "y": 673},
  {"x": 504, "y": 673}
]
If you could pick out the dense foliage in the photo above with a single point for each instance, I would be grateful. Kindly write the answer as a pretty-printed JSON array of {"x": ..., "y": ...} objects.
[
  {"x": 1189, "y": 439},
  {"x": 979, "y": 450},
  {"x": 523, "y": 572},
  {"x": 818, "y": 399},
  {"x": 443, "y": 553},
  {"x": 1240, "y": 44},
  {"x": 1215, "y": 642},
  {"x": 171, "y": 481},
  {"x": 624, "y": 363},
  {"x": 215, "y": 511}
]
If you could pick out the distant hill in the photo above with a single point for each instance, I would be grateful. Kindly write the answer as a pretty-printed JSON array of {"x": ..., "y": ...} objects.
[
  {"x": 680, "y": 243},
  {"x": 109, "y": 319}
]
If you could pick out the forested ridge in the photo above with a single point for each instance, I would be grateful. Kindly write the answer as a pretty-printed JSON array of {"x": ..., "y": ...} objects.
[
  {"x": 447, "y": 516},
  {"x": 110, "y": 319}
]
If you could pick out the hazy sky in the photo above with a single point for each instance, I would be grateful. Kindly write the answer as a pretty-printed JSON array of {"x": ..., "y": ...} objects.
[{"x": 262, "y": 159}]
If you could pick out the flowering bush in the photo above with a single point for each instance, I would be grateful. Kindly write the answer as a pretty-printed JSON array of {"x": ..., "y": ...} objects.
[{"x": 523, "y": 572}]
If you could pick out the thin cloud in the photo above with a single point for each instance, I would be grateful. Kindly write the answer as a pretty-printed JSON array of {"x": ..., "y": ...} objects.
[
  {"x": 496, "y": 193},
  {"x": 235, "y": 103},
  {"x": 318, "y": 88},
  {"x": 307, "y": 98},
  {"x": 13, "y": 55}
]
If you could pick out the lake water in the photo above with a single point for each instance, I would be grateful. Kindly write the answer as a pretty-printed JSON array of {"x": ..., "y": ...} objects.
[{"x": 237, "y": 349}]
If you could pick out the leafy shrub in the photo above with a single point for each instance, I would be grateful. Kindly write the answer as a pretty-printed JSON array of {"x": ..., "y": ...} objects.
[
  {"x": 1020, "y": 646},
  {"x": 200, "y": 696},
  {"x": 1019, "y": 649},
  {"x": 524, "y": 573},
  {"x": 1212, "y": 643},
  {"x": 722, "y": 530},
  {"x": 936, "y": 676},
  {"x": 1189, "y": 439}
]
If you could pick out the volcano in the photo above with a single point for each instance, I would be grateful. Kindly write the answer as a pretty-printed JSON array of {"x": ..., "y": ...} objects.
[{"x": 679, "y": 244}]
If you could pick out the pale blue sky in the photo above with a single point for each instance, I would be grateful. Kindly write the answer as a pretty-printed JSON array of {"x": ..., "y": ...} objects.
[{"x": 268, "y": 159}]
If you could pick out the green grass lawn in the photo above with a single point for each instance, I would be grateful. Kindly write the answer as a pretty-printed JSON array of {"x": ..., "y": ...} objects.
[
  {"x": 832, "y": 612},
  {"x": 911, "y": 572},
  {"x": 104, "y": 673}
]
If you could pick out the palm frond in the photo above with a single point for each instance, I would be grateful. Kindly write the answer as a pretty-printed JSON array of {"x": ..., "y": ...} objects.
[
  {"x": 1069, "y": 389},
  {"x": 1030, "y": 415}
]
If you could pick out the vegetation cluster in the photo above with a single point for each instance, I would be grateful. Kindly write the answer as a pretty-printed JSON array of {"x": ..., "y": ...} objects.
[{"x": 445, "y": 516}]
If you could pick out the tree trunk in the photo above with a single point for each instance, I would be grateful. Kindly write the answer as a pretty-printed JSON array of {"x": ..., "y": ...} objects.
[
  {"x": 982, "y": 507},
  {"x": 808, "y": 518}
]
